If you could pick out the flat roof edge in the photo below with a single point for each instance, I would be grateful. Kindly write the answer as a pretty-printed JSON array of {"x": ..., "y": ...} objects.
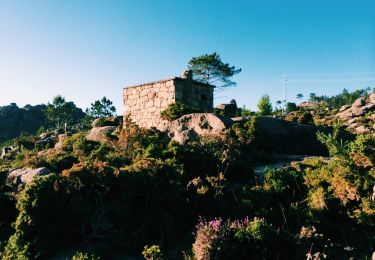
[{"x": 168, "y": 79}]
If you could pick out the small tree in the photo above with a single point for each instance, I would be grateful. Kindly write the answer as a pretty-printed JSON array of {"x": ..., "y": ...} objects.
[
  {"x": 209, "y": 68},
  {"x": 291, "y": 107},
  {"x": 312, "y": 97},
  {"x": 61, "y": 112},
  {"x": 299, "y": 96},
  {"x": 264, "y": 105},
  {"x": 101, "y": 108}
]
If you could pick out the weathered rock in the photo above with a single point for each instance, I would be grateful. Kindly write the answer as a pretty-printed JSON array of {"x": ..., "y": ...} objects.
[
  {"x": 193, "y": 126},
  {"x": 240, "y": 119},
  {"x": 61, "y": 138},
  {"x": 357, "y": 111},
  {"x": 372, "y": 98},
  {"x": 311, "y": 105},
  {"x": 345, "y": 115},
  {"x": 9, "y": 150},
  {"x": 99, "y": 134},
  {"x": 43, "y": 136},
  {"x": 345, "y": 107},
  {"x": 47, "y": 140},
  {"x": 226, "y": 109},
  {"x": 359, "y": 102},
  {"x": 25, "y": 175},
  {"x": 281, "y": 136},
  {"x": 95, "y": 123},
  {"x": 362, "y": 130},
  {"x": 108, "y": 121},
  {"x": 5, "y": 151}
]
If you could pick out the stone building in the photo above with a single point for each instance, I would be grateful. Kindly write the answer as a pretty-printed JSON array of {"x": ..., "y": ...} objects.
[{"x": 144, "y": 102}]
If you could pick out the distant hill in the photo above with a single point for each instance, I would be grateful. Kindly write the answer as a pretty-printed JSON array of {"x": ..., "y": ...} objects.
[{"x": 14, "y": 120}]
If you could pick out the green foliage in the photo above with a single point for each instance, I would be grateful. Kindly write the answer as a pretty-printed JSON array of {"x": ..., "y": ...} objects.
[
  {"x": 61, "y": 162},
  {"x": 175, "y": 111},
  {"x": 290, "y": 107},
  {"x": 8, "y": 211},
  {"x": 243, "y": 111},
  {"x": 209, "y": 68},
  {"x": 85, "y": 256},
  {"x": 265, "y": 105},
  {"x": 243, "y": 239},
  {"x": 116, "y": 197},
  {"x": 61, "y": 112},
  {"x": 335, "y": 146},
  {"x": 152, "y": 253},
  {"x": 15, "y": 120},
  {"x": 284, "y": 181},
  {"x": 101, "y": 108},
  {"x": 362, "y": 151},
  {"x": 105, "y": 122},
  {"x": 345, "y": 98},
  {"x": 301, "y": 117}
]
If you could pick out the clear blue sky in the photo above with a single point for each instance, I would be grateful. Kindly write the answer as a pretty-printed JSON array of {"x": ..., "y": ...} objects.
[{"x": 84, "y": 50}]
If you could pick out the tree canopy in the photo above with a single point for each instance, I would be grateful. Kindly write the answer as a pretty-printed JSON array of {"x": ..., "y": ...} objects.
[
  {"x": 101, "y": 108},
  {"x": 209, "y": 68},
  {"x": 344, "y": 98},
  {"x": 265, "y": 105},
  {"x": 62, "y": 112}
]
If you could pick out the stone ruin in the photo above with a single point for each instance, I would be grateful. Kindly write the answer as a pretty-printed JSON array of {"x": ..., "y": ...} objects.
[{"x": 143, "y": 103}]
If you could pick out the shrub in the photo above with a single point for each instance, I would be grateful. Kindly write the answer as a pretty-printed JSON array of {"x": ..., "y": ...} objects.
[
  {"x": 240, "y": 239},
  {"x": 60, "y": 162},
  {"x": 103, "y": 121},
  {"x": 175, "y": 111},
  {"x": 362, "y": 151},
  {"x": 265, "y": 105},
  {"x": 85, "y": 256},
  {"x": 152, "y": 253}
]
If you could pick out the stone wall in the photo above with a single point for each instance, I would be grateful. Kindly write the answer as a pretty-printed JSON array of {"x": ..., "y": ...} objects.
[
  {"x": 145, "y": 102},
  {"x": 196, "y": 95}
]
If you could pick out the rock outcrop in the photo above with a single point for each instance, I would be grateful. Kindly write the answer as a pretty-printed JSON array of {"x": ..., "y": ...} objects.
[
  {"x": 284, "y": 137},
  {"x": 228, "y": 110},
  {"x": 25, "y": 175},
  {"x": 100, "y": 134},
  {"x": 107, "y": 121},
  {"x": 192, "y": 126},
  {"x": 355, "y": 116}
]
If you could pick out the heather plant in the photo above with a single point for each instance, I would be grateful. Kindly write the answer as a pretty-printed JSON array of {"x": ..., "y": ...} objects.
[{"x": 239, "y": 239}]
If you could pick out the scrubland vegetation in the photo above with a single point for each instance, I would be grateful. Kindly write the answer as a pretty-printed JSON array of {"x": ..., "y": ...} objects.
[{"x": 139, "y": 193}]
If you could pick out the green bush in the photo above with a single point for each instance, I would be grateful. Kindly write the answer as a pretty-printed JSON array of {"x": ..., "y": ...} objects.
[
  {"x": 241, "y": 239},
  {"x": 85, "y": 256},
  {"x": 152, "y": 253},
  {"x": 60, "y": 162},
  {"x": 103, "y": 121},
  {"x": 175, "y": 111}
]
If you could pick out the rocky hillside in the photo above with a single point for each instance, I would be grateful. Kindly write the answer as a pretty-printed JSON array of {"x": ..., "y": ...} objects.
[{"x": 358, "y": 118}]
